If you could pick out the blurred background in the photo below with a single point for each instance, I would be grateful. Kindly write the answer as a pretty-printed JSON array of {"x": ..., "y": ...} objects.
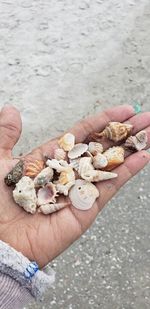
[{"x": 61, "y": 61}]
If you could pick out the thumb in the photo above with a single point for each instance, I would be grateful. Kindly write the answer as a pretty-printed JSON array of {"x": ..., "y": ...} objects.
[{"x": 10, "y": 129}]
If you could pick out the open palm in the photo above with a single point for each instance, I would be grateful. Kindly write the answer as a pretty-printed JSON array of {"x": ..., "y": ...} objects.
[{"x": 42, "y": 238}]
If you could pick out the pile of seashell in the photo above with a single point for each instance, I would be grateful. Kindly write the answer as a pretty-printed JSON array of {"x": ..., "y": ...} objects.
[{"x": 72, "y": 171}]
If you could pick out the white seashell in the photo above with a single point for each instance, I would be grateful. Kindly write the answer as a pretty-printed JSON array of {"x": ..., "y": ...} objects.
[
  {"x": 47, "y": 194},
  {"x": 100, "y": 161},
  {"x": 95, "y": 148},
  {"x": 59, "y": 166},
  {"x": 59, "y": 154},
  {"x": 43, "y": 177},
  {"x": 66, "y": 176},
  {"x": 85, "y": 167},
  {"x": 50, "y": 208},
  {"x": 77, "y": 151},
  {"x": 137, "y": 142},
  {"x": 25, "y": 195},
  {"x": 83, "y": 194},
  {"x": 67, "y": 142},
  {"x": 95, "y": 176},
  {"x": 64, "y": 189},
  {"x": 75, "y": 164}
]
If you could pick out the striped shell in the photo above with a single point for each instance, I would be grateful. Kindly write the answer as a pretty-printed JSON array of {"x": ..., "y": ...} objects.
[
  {"x": 77, "y": 151},
  {"x": 115, "y": 131},
  {"x": 67, "y": 142},
  {"x": 59, "y": 154},
  {"x": 32, "y": 169},
  {"x": 50, "y": 208},
  {"x": 95, "y": 148},
  {"x": 137, "y": 142}
]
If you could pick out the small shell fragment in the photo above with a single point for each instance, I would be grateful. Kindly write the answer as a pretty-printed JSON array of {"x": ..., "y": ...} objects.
[
  {"x": 59, "y": 154},
  {"x": 32, "y": 169},
  {"x": 137, "y": 142},
  {"x": 15, "y": 174},
  {"x": 64, "y": 189},
  {"x": 47, "y": 194},
  {"x": 59, "y": 166},
  {"x": 100, "y": 161},
  {"x": 50, "y": 208},
  {"x": 77, "y": 151},
  {"x": 95, "y": 148},
  {"x": 67, "y": 142},
  {"x": 83, "y": 194},
  {"x": 115, "y": 131},
  {"x": 25, "y": 195},
  {"x": 115, "y": 156},
  {"x": 43, "y": 177},
  {"x": 75, "y": 164},
  {"x": 66, "y": 176}
]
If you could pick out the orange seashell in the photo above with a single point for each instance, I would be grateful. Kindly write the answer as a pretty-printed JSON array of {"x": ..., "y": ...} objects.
[
  {"x": 115, "y": 156},
  {"x": 32, "y": 169}
]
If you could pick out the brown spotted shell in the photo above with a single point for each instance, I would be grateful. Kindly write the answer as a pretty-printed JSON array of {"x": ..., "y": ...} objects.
[
  {"x": 115, "y": 131},
  {"x": 32, "y": 169},
  {"x": 15, "y": 174}
]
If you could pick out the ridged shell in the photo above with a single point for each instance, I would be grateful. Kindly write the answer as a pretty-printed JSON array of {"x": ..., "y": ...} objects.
[
  {"x": 137, "y": 142},
  {"x": 59, "y": 154},
  {"x": 67, "y": 142},
  {"x": 115, "y": 156},
  {"x": 85, "y": 167},
  {"x": 116, "y": 131},
  {"x": 67, "y": 176},
  {"x": 43, "y": 177},
  {"x": 32, "y": 169},
  {"x": 59, "y": 166},
  {"x": 15, "y": 174},
  {"x": 83, "y": 194},
  {"x": 77, "y": 151},
  {"x": 50, "y": 208},
  {"x": 47, "y": 194},
  {"x": 74, "y": 164},
  {"x": 64, "y": 189},
  {"x": 96, "y": 176},
  {"x": 25, "y": 195},
  {"x": 100, "y": 161},
  {"x": 95, "y": 148}
]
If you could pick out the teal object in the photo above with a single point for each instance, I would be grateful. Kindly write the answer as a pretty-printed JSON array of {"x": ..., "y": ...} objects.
[{"x": 137, "y": 108}]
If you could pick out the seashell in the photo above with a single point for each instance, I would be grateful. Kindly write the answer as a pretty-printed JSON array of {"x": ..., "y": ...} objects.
[
  {"x": 100, "y": 161},
  {"x": 50, "y": 208},
  {"x": 47, "y": 194},
  {"x": 67, "y": 142},
  {"x": 25, "y": 195},
  {"x": 137, "y": 142},
  {"x": 95, "y": 176},
  {"x": 15, "y": 174},
  {"x": 59, "y": 154},
  {"x": 83, "y": 194},
  {"x": 67, "y": 176},
  {"x": 43, "y": 177},
  {"x": 115, "y": 156},
  {"x": 75, "y": 164},
  {"x": 32, "y": 169},
  {"x": 77, "y": 151},
  {"x": 64, "y": 189},
  {"x": 85, "y": 167},
  {"x": 115, "y": 131},
  {"x": 95, "y": 148},
  {"x": 59, "y": 166}
]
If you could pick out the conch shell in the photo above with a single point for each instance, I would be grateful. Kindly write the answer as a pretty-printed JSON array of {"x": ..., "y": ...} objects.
[
  {"x": 100, "y": 161},
  {"x": 59, "y": 166},
  {"x": 47, "y": 194},
  {"x": 115, "y": 131},
  {"x": 59, "y": 154},
  {"x": 77, "y": 151},
  {"x": 115, "y": 156},
  {"x": 66, "y": 176},
  {"x": 25, "y": 195},
  {"x": 67, "y": 142},
  {"x": 32, "y": 169},
  {"x": 15, "y": 174},
  {"x": 50, "y": 208},
  {"x": 43, "y": 177},
  {"x": 83, "y": 194},
  {"x": 64, "y": 189},
  {"x": 137, "y": 142},
  {"x": 95, "y": 148}
]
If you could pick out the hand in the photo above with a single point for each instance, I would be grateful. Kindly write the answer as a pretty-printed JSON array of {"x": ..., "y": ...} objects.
[{"x": 42, "y": 238}]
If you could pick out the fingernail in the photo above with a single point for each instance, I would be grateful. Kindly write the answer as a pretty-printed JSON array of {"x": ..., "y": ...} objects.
[{"x": 137, "y": 108}]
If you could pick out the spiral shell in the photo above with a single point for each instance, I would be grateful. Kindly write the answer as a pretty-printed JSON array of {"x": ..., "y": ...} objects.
[
  {"x": 47, "y": 194},
  {"x": 96, "y": 176},
  {"x": 95, "y": 148},
  {"x": 116, "y": 131},
  {"x": 50, "y": 208},
  {"x": 100, "y": 161},
  {"x": 43, "y": 177},
  {"x": 32, "y": 169},
  {"x": 83, "y": 194},
  {"x": 137, "y": 142},
  {"x": 115, "y": 156},
  {"x": 15, "y": 174},
  {"x": 77, "y": 151},
  {"x": 59, "y": 154},
  {"x": 67, "y": 142}
]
